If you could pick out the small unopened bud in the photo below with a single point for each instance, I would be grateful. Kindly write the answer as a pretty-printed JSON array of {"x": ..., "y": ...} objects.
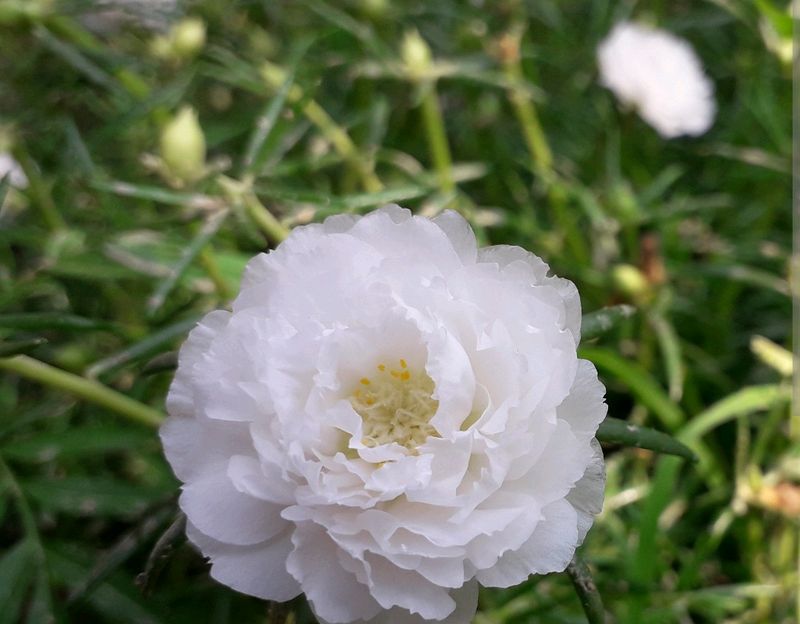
[
  {"x": 631, "y": 282},
  {"x": 416, "y": 55},
  {"x": 773, "y": 355},
  {"x": 183, "y": 146},
  {"x": 188, "y": 37}
]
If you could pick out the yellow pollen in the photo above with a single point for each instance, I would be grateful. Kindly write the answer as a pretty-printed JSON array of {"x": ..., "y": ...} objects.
[{"x": 396, "y": 408}]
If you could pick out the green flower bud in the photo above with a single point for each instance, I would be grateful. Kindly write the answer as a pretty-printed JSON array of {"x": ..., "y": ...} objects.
[
  {"x": 631, "y": 282},
  {"x": 183, "y": 146},
  {"x": 188, "y": 37},
  {"x": 416, "y": 55}
]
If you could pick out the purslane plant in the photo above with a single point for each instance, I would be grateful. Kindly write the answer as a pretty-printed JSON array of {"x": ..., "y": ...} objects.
[{"x": 387, "y": 418}]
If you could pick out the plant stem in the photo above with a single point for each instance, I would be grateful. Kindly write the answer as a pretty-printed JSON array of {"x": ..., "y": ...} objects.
[
  {"x": 82, "y": 388},
  {"x": 264, "y": 218},
  {"x": 587, "y": 592},
  {"x": 209, "y": 262},
  {"x": 437, "y": 138}
]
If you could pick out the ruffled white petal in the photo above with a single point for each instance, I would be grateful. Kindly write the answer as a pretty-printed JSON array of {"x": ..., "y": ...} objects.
[{"x": 293, "y": 421}]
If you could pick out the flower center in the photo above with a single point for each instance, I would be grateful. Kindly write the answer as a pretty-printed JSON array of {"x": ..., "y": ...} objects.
[{"x": 395, "y": 405}]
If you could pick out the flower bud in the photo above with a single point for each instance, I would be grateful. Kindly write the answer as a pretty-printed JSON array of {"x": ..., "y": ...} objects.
[
  {"x": 188, "y": 37},
  {"x": 631, "y": 282},
  {"x": 773, "y": 355},
  {"x": 183, "y": 146},
  {"x": 416, "y": 55}
]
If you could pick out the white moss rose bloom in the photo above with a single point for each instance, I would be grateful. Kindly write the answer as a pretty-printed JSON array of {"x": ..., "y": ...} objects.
[
  {"x": 660, "y": 76},
  {"x": 388, "y": 417}
]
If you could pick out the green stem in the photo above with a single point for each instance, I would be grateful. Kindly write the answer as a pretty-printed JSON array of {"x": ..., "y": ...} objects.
[
  {"x": 82, "y": 388},
  {"x": 264, "y": 218},
  {"x": 209, "y": 262},
  {"x": 525, "y": 109},
  {"x": 587, "y": 592},
  {"x": 437, "y": 138}
]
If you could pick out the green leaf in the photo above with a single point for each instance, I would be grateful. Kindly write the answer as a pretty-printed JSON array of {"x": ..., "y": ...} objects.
[
  {"x": 15, "y": 347},
  {"x": 160, "y": 363},
  {"x": 208, "y": 230},
  {"x": 641, "y": 384},
  {"x": 17, "y": 567},
  {"x": 142, "y": 349},
  {"x": 616, "y": 431},
  {"x": 38, "y": 321},
  {"x": 672, "y": 354},
  {"x": 77, "y": 442},
  {"x": 158, "y": 194},
  {"x": 740, "y": 403},
  {"x": 601, "y": 322},
  {"x": 91, "y": 496}
]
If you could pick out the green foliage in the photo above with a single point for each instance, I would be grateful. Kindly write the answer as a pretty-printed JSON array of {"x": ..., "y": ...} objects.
[{"x": 307, "y": 109}]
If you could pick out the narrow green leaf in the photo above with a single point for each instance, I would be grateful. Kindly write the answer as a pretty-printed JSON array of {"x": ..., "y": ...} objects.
[
  {"x": 672, "y": 354},
  {"x": 616, "y": 431},
  {"x": 157, "y": 194},
  {"x": 586, "y": 589},
  {"x": 641, "y": 384},
  {"x": 740, "y": 403},
  {"x": 161, "y": 551},
  {"x": 662, "y": 490},
  {"x": 602, "y": 321},
  {"x": 17, "y": 566},
  {"x": 208, "y": 230},
  {"x": 117, "y": 555},
  {"x": 16, "y": 347},
  {"x": 37, "y": 321},
  {"x": 160, "y": 363},
  {"x": 142, "y": 349},
  {"x": 77, "y": 442},
  {"x": 91, "y": 496}
]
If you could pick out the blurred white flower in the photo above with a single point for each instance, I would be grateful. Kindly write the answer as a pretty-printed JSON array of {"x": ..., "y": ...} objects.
[
  {"x": 109, "y": 16},
  {"x": 10, "y": 167},
  {"x": 388, "y": 417},
  {"x": 660, "y": 76}
]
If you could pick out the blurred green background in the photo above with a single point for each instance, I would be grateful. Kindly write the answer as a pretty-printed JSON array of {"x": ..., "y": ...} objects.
[{"x": 164, "y": 144}]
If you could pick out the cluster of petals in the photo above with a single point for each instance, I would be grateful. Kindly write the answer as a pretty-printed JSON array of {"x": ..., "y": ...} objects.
[
  {"x": 285, "y": 489},
  {"x": 660, "y": 76}
]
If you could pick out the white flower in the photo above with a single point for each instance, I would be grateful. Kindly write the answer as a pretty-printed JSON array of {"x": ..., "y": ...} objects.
[
  {"x": 11, "y": 168},
  {"x": 660, "y": 75},
  {"x": 388, "y": 417}
]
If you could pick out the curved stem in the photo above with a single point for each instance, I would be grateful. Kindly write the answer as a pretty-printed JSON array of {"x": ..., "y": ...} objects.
[{"x": 82, "y": 388}]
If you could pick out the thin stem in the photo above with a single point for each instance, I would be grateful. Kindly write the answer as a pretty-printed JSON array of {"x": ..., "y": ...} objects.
[
  {"x": 437, "y": 138},
  {"x": 209, "y": 262},
  {"x": 264, "y": 218},
  {"x": 587, "y": 592},
  {"x": 275, "y": 76},
  {"x": 82, "y": 388},
  {"x": 524, "y": 106}
]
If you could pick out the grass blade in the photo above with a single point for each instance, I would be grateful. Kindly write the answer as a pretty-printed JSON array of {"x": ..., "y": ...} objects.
[{"x": 641, "y": 384}]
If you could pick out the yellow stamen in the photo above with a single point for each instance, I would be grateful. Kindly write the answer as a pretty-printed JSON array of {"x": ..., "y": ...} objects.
[{"x": 365, "y": 381}]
